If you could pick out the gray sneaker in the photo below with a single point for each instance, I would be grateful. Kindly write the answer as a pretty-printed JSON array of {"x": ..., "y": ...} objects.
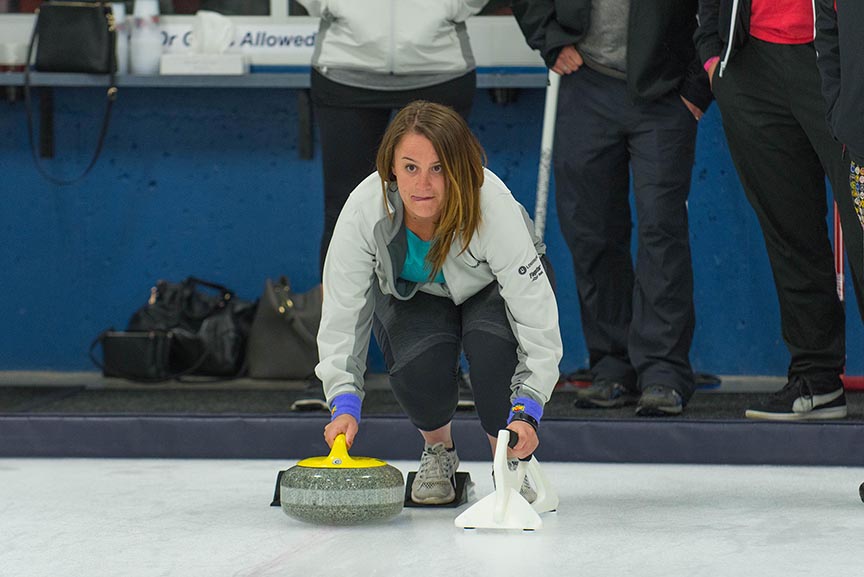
[
  {"x": 604, "y": 394},
  {"x": 659, "y": 401},
  {"x": 526, "y": 490},
  {"x": 434, "y": 483}
]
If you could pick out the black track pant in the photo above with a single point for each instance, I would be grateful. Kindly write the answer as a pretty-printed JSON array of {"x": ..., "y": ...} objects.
[
  {"x": 774, "y": 118},
  {"x": 637, "y": 321}
]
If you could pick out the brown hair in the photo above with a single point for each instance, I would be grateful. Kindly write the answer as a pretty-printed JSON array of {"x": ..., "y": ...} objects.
[{"x": 462, "y": 159}]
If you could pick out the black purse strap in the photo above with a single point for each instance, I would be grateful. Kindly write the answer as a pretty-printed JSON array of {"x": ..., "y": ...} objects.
[
  {"x": 226, "y": 296},
  {"x": 111, "y": 96},
  {"x": 226, "y": 292}
]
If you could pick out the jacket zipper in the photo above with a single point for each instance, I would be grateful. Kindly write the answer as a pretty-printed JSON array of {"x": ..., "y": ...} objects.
[{"x": 725, "y": 60}]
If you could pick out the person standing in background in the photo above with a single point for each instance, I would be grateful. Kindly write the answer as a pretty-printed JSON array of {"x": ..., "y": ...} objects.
[
  {"x": 631, "y": 93},
  {"x": 760, "y": 58},
  {"x": 840, "y": 57},
  {"x": 371, "y": 58}
]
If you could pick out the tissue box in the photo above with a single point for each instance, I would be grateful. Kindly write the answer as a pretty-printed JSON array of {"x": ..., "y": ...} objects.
[{"x": 207, "y": 64}]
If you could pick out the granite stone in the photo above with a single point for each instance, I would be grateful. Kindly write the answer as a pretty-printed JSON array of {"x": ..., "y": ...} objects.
[{"x": 334, "y": 496}]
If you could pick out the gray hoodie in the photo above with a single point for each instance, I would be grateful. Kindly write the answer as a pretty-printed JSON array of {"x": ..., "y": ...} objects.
[
  {"x": 503, "y": 249},
  {"x": 393, "y": 44}
]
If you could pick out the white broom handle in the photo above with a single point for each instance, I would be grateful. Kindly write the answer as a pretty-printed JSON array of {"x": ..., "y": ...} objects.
[{"x": 550, "y": 110}]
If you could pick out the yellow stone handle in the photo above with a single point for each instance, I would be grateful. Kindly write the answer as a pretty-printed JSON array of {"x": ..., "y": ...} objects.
[
  {"x": 339, "y": 459},
  {"x": 339, "y": 452}
]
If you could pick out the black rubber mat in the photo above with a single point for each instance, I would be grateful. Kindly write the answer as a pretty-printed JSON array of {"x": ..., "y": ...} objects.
[{"x": 205, "y": 399}]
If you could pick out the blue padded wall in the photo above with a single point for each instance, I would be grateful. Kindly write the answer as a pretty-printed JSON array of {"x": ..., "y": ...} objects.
[{"x": 208, "y": 182}]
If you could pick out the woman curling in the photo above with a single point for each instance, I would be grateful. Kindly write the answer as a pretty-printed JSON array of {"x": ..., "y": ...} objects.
[{"x": 434, "y": 255}]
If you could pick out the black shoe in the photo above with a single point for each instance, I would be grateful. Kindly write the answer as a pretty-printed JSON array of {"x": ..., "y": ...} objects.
[
  {"x": 312, "y": 398},
  {"x": 466, "y": 395},
  {"x": 803, "y": 398},
  {"x": 604, "y": 395},
  {"x": 659, "y": 401}
]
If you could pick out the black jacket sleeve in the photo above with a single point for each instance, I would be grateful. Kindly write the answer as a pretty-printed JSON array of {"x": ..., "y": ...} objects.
[
  {"x": 828, "y": 54},
  {"x": 694, "y": 83},
  {"x": 539, "y": 22},
  {"x": 707, "y": 36},
  {"x": 695, "y": 86}
]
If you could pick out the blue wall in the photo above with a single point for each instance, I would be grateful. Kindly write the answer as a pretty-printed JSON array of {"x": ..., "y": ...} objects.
[{"x": 208, "y": 182}]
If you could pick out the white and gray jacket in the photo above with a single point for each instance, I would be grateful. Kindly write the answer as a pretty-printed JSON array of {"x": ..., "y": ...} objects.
[
  {"x": 503, "y": 249},
  {"x": 421, "y": 41}
]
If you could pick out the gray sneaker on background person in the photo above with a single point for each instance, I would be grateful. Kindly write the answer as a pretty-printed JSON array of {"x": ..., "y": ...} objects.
[
  {"x": 659, "y": 401},
  {"x": 605, "y": 395},
  {"x": 434, "y": 483}
]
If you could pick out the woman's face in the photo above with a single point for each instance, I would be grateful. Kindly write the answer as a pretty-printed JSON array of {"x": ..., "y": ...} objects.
[{"x": 421, "y": 180}]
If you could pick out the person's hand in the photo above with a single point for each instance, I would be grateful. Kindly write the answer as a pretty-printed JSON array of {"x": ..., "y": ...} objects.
[
  {"x": 342, "y": 424},
  {"x": 528, "y": 440},
  {"x": 711, "y": 70},
  {"x": 694, "y": 110},
  {"x": 569, "y": 60}
]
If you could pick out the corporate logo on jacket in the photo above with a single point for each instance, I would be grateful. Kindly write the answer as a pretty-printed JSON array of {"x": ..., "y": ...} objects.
[{"x": 533, "y": 269}]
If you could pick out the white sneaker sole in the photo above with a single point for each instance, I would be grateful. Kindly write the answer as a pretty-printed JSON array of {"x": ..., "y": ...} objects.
[
  {"x": 832, "y": 413},
  {"x": 433, "y": 500}
]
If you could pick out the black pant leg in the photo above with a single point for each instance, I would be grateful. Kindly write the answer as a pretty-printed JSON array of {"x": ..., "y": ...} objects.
[
  {"x": 808, "y": 106},
  {"x": 349, "y": 144},
  {"x": 662, "y": 145},
  {"x": 785, "y": 183},
  {"x": 853, "y": 234},
  {"x": 592, "y": 199}
]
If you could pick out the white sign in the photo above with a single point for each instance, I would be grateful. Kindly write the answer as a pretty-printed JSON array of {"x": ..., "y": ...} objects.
[{"x": 293, "y": 43}]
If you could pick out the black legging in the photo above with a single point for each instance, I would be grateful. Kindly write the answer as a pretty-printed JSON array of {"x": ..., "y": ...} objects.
[{"x": 422, "y": 339}]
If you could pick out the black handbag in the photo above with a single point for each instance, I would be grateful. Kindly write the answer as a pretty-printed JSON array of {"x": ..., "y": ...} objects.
[
  {"x": 73, "y": 37},
  {"x": 209, "y": 325},
  {"x": 140, "y": 356},
  {"x": 282, "y": 341}
]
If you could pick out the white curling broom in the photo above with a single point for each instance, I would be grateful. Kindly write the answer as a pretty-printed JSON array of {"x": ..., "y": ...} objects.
[
  {"x": 505, "y": 508},
  {"x": 550, "y": 109}
]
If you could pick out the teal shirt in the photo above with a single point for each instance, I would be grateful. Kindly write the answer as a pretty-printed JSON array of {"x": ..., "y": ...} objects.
[{"x": 416, "y": 269}]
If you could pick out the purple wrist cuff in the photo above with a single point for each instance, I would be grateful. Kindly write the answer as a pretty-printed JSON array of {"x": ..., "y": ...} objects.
[
  {"x": 345, "y": 404},
  {"x": 527, "y": 406}
]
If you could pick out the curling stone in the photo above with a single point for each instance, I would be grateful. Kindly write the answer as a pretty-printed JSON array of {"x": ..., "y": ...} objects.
[
  {"x": 861, "y": 491},
  {"x": 341, "y": 490}
]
